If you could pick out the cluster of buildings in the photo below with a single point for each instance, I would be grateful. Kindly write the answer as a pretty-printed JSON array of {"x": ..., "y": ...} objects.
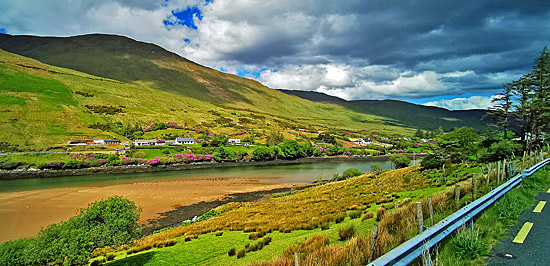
[{"x": 177, "y": 141}]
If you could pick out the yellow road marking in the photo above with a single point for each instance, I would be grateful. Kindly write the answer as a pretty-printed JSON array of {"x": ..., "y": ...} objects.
[
  {"x": 539, "y": 206},
  {"x": 548, "y": 191},
  {"x": 522, "y": 234}
]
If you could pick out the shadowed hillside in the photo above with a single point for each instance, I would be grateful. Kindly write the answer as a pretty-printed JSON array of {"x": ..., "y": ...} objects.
[{"x": 406, "y": 114}]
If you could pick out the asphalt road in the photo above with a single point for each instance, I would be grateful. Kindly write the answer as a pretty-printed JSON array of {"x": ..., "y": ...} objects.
[{"x": 535, "y": 249}]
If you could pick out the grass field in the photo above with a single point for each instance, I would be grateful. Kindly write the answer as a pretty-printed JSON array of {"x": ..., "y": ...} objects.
[{"x": 291, "y": 219}]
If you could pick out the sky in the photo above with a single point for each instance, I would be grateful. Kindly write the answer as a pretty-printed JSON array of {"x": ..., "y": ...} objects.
[{"x": 452, "y": 54}]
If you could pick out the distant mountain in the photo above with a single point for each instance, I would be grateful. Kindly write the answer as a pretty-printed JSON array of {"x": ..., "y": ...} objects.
[{"x": 406, "y": 114}]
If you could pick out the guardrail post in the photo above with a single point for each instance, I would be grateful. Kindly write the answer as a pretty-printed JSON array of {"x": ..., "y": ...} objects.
[
  {"x": 297, "y": 258},
  {"x": 474, "y": 187},
  {"x": 420, "y": 216},
  {"x": 498, "y": 173},
  {"x": 431, "y": 211},
  {"x": 373, "y": 243},
  {"x": 457, "y": 196}
]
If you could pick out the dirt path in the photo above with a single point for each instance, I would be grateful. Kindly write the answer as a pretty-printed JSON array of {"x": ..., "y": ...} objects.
[{"x": 23, "y": 214}]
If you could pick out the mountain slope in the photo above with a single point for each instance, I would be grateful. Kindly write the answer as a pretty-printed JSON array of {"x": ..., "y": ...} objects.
[
  {"x": 123, "y": 59},
  {"x": 406, "y": 114},
  {"x": 43, "y": 105}
]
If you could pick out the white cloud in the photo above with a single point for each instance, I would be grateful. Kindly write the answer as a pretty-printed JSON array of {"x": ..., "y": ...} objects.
[
  {"x": 474, "y": 102},
  {"x": 352, "y": 49}
]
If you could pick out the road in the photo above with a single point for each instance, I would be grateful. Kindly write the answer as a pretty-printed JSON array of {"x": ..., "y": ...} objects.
[{"x": 529, "y": 240}]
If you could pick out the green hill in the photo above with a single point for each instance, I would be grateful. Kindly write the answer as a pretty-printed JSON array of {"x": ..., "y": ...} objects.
[
  {"x": 404, "y": 113},
  {"x": 43, "y": 106}
]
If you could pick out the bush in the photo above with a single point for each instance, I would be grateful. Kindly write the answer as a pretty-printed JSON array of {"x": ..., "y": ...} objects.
[
  {"x": 220, "y": 233},
  {"x": 346, "y": 233},
  {"x": 376, "y": 168},
  {"x": 10, "y": 165},
  {"x": 351, "y": 172},
  {"x": 367, "y": 216},
  {"x": 98, "y": 262},
  {"x": 380, "y": 212},
  {"x": 431, "y": 162},
  {"x": 263, "y": 154},
  {"x": 324, "y": 225},
  {"x": 355, "y": 214},
  {"x": 400, "y": 160},
  {"x": 241, "y": 253},
  {"x": 266, "y": 240},
  {"x": 340, "y": 219},
  {"x": 165, "y": 151},
  {"x": 109, "y": 222},
  {"x": 466, "y": 244},
  {"x": 110, "y": 256},
  {"x": 231, "y": 252}
]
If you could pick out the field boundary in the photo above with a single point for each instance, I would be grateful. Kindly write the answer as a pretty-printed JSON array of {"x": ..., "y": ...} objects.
[{"x": 412, "y": 249}]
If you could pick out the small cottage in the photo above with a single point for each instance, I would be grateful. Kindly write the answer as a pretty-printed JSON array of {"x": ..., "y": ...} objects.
[
  {"x": 182, "y": 141},
  {"x": 145, "y": 142},
  {"x": 234, "y": 141}
]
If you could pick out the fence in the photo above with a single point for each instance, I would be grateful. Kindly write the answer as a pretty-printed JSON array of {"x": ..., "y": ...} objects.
[{"x": 412, "y": 249}]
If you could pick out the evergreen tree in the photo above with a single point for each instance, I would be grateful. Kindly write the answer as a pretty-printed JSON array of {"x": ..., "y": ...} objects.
[{"x": 502, "y": 111}]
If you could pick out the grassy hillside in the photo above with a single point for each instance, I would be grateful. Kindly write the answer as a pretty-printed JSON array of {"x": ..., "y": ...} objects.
[
  {"x": 43, "y": 105},
  {"x": 404, "y": 113}
]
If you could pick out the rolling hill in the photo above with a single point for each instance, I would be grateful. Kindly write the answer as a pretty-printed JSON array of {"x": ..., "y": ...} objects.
[
  {"x": 406, "y": 114},
  {"x": 51, "y": 89},
  {"x": 44, "y": 105}
]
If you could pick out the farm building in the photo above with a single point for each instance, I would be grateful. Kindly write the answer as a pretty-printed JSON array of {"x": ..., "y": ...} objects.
[
  {"x": 181, "y": 141},
  {"x": 145, "y": 142},
  {"x": 234, "y": 141}
]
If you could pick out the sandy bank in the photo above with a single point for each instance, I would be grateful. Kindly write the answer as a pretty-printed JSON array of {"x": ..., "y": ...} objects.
[{"x": 25, "y": 213}]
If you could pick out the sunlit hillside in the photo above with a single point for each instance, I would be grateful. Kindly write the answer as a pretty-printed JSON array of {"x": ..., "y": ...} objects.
[{"x": 43, "y": 105}]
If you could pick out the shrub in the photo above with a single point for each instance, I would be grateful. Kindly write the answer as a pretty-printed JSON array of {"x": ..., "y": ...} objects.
[
  {"x": 108, "y": 222},
  {"x": 324, "y": 225},
  {"x": 355, "y": 214},
  {"x": 220, "y": 233},
  {"x": 380, "y": 212},
  {"x": 351, "y": 172},
  {"x": 340, "y": 219},
  {"x": 98, "y": 262},
  {"x": 232, "y": 252},
  {"x": 110, "y": 256},
  {"x": 431, "y": 162},
  {"x": 266, "y": 240},
  {"x": 376, "y": 168},
  {"x": 241, "y": 253},
  {"x": 400, "y": 160},
  {"x": 367, "y": 216},
  {"x": 171, "y": 242},
  {"x": 346, "y": 233},
  {"x": 466, "y": 244},
  {"x": 166, "y": 151}
]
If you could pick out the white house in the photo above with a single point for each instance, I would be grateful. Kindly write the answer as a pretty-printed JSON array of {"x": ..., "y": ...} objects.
[
  {"x": 145, "y": 142},
  {"x": 234, "y": 141},
  {"x": 181, "y": 141},
  {"x": 99, "y": 141},
  {"x": 363, "y": 141}
]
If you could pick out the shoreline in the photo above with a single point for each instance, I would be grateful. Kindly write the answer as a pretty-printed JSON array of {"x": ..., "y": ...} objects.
[
  {"x": 174, "y": 218},
  {"x": 134, "y": 169}
]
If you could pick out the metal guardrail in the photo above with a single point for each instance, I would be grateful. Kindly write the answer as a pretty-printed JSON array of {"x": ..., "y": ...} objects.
[{"x": 412, "y": 249}]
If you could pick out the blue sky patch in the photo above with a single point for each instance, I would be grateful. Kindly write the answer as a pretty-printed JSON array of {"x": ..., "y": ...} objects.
[
  {"x": 184, "y": 17},
  {"x": 223, "y": 70},
  {"x": 242, "y": 72},
  {"x": 2, "y": 30}
]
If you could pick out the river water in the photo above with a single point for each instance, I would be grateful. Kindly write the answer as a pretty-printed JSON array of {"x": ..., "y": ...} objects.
[
  {"x": 27, "y": 205},
  {"x": 278, "y": 174}
]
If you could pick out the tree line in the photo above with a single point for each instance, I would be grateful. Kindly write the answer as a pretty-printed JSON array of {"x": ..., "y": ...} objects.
[{"x": 526, "y": 101}]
